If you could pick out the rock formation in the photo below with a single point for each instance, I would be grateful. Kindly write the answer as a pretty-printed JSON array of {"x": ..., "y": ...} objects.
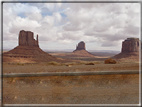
[
  {"x": 130, "y": 49},
  {"x": 130, "y": 45},
  {"x": 80, "y": 46},
  {"x": 81, "y": 51},
  {"x": 28, "y": 50},
  {"x": 26, "y": 39}
]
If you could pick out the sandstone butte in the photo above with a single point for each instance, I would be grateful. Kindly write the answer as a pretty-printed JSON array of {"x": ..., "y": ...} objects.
[
  {"x": 130, "y": 49},
  {"x": 28, "y": 51},
  {"x": 81, "y": 51}
]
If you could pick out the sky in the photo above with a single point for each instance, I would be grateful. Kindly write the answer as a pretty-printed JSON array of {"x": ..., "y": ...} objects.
[{"x": 61, "y": 26}]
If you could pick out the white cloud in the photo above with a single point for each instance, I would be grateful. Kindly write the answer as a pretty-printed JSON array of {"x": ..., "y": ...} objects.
[
  {"x": 57, "y": 17},
  {"x": 104, "y": 23},
  {"x": 107, "y": 22},
  {"x": 49, "y": 20},
  {"x": 34, "y": 16},
  {"x": 23, "y": 23}
]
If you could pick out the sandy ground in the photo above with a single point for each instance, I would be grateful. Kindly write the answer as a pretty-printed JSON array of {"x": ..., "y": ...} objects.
[
  {"x": 95, "y": 89},
  {"x": 38, "y": 68}
]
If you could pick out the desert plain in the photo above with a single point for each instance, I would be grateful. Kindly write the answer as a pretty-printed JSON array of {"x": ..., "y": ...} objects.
[{"x": 83, "y": 89}]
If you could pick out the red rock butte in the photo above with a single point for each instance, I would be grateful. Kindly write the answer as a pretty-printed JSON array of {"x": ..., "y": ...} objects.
[
  {"x": 130, "y": 49},
  {"x": 28, "y": 50},
  {"x": 130, "y": 45},
  {"x": 81, "y": 51},
  {"x": 26, "y": 39},
  {"x": 80, "y": 46}
]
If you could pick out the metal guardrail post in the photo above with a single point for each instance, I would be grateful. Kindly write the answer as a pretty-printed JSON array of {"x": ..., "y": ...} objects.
[{"x": 70, "y": 73}]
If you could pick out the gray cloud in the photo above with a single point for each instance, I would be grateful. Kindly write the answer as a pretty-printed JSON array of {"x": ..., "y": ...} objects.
[
  {"x": 109, "y": 44},
  {"x": 131, "y": 30},
  {"x": 104, "y": 23}
]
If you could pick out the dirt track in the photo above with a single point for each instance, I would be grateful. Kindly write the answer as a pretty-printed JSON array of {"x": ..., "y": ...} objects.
[{"x": 96, "y": 89}]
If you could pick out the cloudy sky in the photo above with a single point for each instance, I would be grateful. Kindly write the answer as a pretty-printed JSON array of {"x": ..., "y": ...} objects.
[{"x": 102, "y": 26}]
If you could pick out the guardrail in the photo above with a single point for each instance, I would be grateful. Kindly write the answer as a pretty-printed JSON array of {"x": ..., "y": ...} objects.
[{"x": 69, "y": 73}]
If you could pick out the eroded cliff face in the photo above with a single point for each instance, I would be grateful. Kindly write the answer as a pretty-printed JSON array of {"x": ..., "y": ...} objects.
[
  {"x": 80, "y": 46},
  {"x": 130, "y": 45},
  {"x": 26, "y": 38},
  {"x": 130, "y": 50}
]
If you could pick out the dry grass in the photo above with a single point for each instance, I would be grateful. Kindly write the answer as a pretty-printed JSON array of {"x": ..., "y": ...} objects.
[
  {"x": 62, "y": 64},
  {"x": 53, "y": 63},
  {"x": 20, "y": 64},
  {"x": 90, "y": 63},
  {"x": 67, "y": 67},
  {"x": 93, "y": 89}
]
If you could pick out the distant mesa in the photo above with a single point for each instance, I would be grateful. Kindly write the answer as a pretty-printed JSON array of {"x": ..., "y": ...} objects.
[
  {"x": 130, "y": 49},
  {"x": 81, "y": 51},
  {"x": 28, "y": 50},
  {"x": 80, "y": 46},
  {"x": 130, "y": 45},
  {"x": 26, "y": 39}
]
